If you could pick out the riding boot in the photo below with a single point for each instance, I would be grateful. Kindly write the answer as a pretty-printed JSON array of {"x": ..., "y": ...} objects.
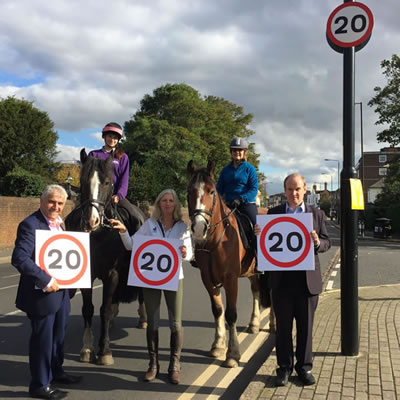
[
  {"x": 174, "y": 368},
  {"x": 152, "y": 346}
]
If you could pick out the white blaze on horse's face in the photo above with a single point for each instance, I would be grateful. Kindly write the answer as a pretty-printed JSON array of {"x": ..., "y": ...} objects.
[
  {"x": 199, "y": 225},
  {"x": 94, "y": 219}
]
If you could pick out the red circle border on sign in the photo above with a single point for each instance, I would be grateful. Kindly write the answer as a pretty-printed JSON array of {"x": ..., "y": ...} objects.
[
  {"x": 167, "y": 278},
  {"x": 364, "y": 37},
  {"x": 82, "y": 249},
  {"x": 298, "y": 259}
]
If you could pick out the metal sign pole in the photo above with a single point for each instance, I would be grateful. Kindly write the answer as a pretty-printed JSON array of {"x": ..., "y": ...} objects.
[
  {"x": 348, "y": 223},
  {"x": 349, "y": 29}
]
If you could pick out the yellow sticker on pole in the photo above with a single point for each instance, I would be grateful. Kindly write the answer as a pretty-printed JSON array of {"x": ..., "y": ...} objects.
[{"x": 357, "y": 195}]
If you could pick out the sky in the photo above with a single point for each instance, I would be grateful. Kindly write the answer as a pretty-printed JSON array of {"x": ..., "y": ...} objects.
[{"x": 90, "y": 62}]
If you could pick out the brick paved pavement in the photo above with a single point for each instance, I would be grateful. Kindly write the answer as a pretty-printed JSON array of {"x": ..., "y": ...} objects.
[{"x": 373, "y": 374}]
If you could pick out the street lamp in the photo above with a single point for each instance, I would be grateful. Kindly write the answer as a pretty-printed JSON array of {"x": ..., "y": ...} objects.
[
  {"x": 69, "y": 181},
  {"x": 331, "y": 159},
  {"x": 338, "y": 185},
  {"x": 325, "y": 173}
]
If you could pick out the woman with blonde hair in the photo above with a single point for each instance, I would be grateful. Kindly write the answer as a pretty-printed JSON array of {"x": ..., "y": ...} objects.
[{"x": 165, "y": 222}]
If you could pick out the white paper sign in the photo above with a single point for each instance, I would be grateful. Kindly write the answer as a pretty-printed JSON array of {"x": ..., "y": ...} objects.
[
  {"x": 155, "y": 263},
  {"x": 285, "y": 242},
  {"x": 65, "y": 256}
]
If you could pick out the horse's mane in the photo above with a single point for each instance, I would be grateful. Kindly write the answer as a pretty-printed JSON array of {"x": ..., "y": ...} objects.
[{"x": 202, "y": 175}]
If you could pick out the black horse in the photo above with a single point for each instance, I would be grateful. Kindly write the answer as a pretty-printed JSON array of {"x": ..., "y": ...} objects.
[{"x": 108, "y": 257}]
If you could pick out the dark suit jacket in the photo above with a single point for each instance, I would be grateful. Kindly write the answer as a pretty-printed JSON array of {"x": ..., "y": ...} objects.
[
  {"x": 33, "y": 301},
  {"x": 313, "y": 278}
]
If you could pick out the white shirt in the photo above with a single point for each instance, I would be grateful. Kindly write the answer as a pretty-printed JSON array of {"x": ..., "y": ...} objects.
[{"x": 151, "y": 228}]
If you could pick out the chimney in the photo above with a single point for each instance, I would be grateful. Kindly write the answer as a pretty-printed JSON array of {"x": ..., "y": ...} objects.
[{"x": 326, "y": 186}]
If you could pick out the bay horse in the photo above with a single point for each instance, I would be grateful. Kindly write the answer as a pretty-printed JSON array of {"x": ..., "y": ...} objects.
[
  {"x": 108, "y": 258},
  {"x": 221, "y": 258}
]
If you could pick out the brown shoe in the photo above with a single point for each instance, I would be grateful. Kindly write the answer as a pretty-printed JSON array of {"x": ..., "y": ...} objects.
[
  {"x": 174, "y": 368},
  {"x": 174, "y": 376},
  {"x": 152, "y": 347}
]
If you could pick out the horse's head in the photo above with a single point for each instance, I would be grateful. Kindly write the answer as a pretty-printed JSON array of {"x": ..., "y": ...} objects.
[
  {"x": 96, "y": 189},
  {"x": 201, "y": 197}
]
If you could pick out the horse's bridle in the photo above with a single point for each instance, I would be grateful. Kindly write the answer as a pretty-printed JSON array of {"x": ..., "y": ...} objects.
[
  {"x": 202, "y": 213},
  {"x": 100, "y": 206},
  {"x": 208, "y": 251}
]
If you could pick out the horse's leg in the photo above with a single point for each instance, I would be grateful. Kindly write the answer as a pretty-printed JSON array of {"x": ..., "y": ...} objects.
[
  {"x": 218, "y": 347},
  {"x": 272, "y": 320},
  {"x": 107, "y": 312},
  {"x": 87, "y": 352},
  {"x": 233, "y": 353},
  {"x": 142, "y": 323},
  {"x": 254, "y": 324}
]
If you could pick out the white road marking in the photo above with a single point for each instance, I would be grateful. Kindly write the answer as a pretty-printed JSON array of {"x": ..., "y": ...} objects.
[
  {"x": 8, "y": 287},
  {"x": 334, "y": 273},
  {"x": 196, "y": 385},
  {"x": 10, "y": 276},
  {"x": 19, "y": 311},
  {"x": 329, "y": 285}
]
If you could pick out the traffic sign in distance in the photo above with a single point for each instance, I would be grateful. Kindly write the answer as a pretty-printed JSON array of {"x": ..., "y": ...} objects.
[{"x": 349, "y": 25}]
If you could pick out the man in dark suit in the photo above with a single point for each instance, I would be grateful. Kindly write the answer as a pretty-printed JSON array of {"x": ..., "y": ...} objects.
[
  {"x": 45, "y": 304},
  {"x": 295, "y": 293}
]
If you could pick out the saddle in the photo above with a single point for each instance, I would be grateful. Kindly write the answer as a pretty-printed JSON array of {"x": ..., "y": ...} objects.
[{"x": 246, "y": 231}]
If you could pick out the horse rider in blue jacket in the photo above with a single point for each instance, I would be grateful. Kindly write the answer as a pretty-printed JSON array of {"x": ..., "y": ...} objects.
[{"x": 238, "y": 181}]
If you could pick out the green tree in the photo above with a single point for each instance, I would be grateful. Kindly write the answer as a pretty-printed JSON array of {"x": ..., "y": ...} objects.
[
  {"x": 390, "y": 194},
  {"x": 28, "y": 139},
  {"x": 175, "y": 125},
  {"x": 387, "y": 102},
  {"x": 21, "y": 183}
]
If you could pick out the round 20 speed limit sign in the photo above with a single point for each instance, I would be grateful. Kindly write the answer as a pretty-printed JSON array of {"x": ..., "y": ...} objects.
[
  {"x": 65, "y": 256},
  {"x": 285, "y": 242},
  {"x": 349, "y": 25},
  {"x": 155, "y": 263}
]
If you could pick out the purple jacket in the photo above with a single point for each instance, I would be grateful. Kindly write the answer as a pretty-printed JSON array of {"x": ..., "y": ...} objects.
[{"x": 121, "y": 171}]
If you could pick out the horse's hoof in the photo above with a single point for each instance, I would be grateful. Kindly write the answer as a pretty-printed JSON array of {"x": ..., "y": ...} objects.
[
  {"x": 217, "y": 352},
  {"x": 87, "y": 357},
  {"x": 105, "y": 360},
  {"x": 253, "y": 329},
  {"x": 230, "y": 363},
  {"x": 141, "y": 325}
]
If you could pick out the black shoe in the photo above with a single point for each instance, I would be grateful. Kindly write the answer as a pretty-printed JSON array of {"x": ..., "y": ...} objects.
[
  {"x": 193, "y": 263},
  {"x": 47, "y": 392},
  {"x": 306, "y": 377},
  {"x": 282, "y": 377},
  {"x": 67, "y": 379}
]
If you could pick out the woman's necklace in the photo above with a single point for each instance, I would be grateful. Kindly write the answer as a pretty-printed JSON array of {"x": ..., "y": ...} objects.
[{"x": 167, "y": 228}]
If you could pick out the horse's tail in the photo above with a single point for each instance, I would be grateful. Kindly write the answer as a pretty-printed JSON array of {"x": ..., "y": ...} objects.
[
  {"x": 125, "y": 293},
  {"x": 265, "y": 298}
]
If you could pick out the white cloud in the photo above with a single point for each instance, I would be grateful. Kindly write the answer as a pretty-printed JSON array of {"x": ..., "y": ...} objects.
[{"x": 87, "y": 63}]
